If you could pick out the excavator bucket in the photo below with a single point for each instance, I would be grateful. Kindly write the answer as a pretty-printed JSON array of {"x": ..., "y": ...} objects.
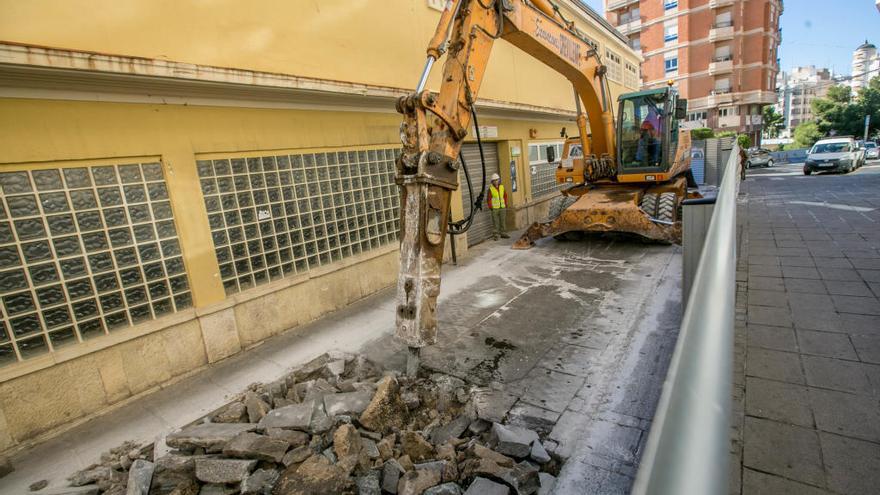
[{"x": 609, "y": 208}]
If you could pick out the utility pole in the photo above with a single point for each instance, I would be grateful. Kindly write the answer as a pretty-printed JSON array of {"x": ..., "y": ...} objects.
[{"x": 867, "y": 124}]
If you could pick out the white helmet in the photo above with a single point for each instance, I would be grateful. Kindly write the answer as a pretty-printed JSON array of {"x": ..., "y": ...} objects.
[{"x": 496, "y": 177}]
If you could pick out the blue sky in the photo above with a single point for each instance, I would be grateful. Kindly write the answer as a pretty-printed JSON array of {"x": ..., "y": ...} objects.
[{"x": 823, "y": 33}]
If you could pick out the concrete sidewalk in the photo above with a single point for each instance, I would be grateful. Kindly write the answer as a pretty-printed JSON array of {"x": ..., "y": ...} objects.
[
  {"x": 577, "y": 335},
  {"x": 807, "y": 376}
]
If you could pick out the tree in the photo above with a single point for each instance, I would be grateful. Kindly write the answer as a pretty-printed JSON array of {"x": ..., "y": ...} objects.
[
  {"x": 838, "y": 113},
  {"x": 771, "y": 121},
  {"x": 868, "y": 102},
  {"x": 745, "y": 142},
  {"x": 702, "y": 133},
  {"x": 806, "y": 134}
]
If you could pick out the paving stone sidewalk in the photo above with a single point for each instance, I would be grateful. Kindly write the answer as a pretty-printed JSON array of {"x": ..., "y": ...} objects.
[{"x": 807, "y": 368}]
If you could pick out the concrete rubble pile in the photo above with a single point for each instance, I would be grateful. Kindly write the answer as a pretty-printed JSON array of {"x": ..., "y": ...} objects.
[{"x": 339, "y": 424}]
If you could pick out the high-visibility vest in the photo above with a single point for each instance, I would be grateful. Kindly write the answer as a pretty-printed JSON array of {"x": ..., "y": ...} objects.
[{"x": 497, "y": 196}]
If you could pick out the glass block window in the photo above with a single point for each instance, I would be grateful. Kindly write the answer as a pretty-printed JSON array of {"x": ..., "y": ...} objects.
[
  {"x": 279, "y": 215},
  {"x": 84, "y": 251},
  {"x": 543, "y": 174}
]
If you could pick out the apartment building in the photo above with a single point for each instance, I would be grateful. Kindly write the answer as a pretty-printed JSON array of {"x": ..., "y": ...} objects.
[
  {"x": 796, "y": 91},
  {"x": 865, "y": 66},
  {"x": 721, "y": 54}
]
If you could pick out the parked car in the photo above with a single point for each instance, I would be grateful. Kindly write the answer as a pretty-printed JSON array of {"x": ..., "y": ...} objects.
[
  {"x": 759, "y": 157},
  {"x": 839, "y": 154},
  {"x": 860, "y": 148},
  {"x": 872, "y": 151}
]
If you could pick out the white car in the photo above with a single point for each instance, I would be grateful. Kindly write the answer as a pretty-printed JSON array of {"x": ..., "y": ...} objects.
[
  {"x": 872, "y": 151},
  {"x": 841, "y": 154}
]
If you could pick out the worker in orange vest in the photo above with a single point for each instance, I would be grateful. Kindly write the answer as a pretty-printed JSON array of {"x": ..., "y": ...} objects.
[{"x": 498, "y": 206}]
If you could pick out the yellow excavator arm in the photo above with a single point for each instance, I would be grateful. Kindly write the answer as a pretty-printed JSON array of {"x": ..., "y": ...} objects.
[{"x": 436, "y": 124}]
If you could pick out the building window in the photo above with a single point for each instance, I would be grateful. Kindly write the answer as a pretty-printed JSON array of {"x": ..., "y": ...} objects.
[
  {"x": 670, "y": 4},
  {"x": 85, "y": 251},
  {"x": 543, "y": 174},
  {"x": 631, "y": 75},
  {"x": 695, "y": 116},
  {"x": 613, "y": 64},
  {"x": 727, "y": 111},
  {"x": 671, "y": 64},
  {"x": 276, "y": 216},
  {"x": 670, "y": 31}
]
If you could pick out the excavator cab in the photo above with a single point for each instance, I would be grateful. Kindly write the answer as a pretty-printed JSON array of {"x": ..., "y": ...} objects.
[
  {"x": 648, "y": 180},
  {"x": 648, "y": 133}
]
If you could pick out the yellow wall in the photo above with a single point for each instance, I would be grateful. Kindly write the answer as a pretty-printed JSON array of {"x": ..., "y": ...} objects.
[
  {"x": 374, "y": 42},
  {"x": 378, "y": 42},
  {"x": 41, "y": 133}
]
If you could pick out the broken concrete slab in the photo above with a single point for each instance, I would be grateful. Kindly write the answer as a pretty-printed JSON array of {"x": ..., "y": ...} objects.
[
  {"x": 453, "y": 429},
  {"x": 347, "y": 441},
  {"x": 386, "y": 409},
  {"x": 140, "y": 475},
  {"x": 444, "y": 489},
  {"x": 253, "y": 446},
  {"x": 483, "y": 486},
  {"x": 347, "y": 403},
  {"x": 72, "y": 490},
  {"x": 492, "y": 405},
  {"x": 391, "y": 472},
  {"x": 321, "y": 421},
  {"x": 368, "y": 483},
  {"x": 316, "y": 476},
  {"x": 296, "y": 417},
  {"x": 256, "y": 407},
  {"x": 370, "y": 448},
  {"x": 548, "y": 481},
  {"x": 538, "y": 453},
  {"x": 417, "y": 481},
  {"x": 90, "y": 476},
  {"x": 233, "y": 413},
  {"x": 481, "y": 452},
  {"x": 260, "y": 482},
  {"x": 223, "y": 470},
  {"x": 210, "y": 436},
  {"x": 415, "y": 446},
  {"x": 294, "y": 437},
  {"x": 512, "y": 440},
  {"x": 523, "y": 478}
]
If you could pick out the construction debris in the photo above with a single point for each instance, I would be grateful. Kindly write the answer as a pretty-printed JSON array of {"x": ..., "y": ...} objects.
[{"x": 339, "y": 424}]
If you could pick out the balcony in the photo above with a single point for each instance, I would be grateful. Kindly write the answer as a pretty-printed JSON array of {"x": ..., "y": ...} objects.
[
  {"x": 721, "y": 65},
  {"x": 617, "y": 4},
  {"x": 629, "y": 25},
  {"x": 721, "y": 31},
  {"x": 729, "y": 121},
  {"x": 694, "y": 124},
  {"x": 714, "y": 4},
  {"x": 720, "y": 96}
]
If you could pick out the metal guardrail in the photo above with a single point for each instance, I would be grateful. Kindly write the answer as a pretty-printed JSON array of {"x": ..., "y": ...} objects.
[
  {"x": 790, "y": 156},
  {"x": 689, "y": 443}
]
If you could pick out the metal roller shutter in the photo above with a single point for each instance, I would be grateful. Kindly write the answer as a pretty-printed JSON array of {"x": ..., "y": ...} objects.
[{"x": 481, "y": 229}]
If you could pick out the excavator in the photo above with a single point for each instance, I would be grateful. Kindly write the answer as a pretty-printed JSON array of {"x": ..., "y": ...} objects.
[{"x": 625, "y": 175}]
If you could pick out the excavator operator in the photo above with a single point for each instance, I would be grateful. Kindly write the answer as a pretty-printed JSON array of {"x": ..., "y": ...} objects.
[{"x": 648, "y": 150}]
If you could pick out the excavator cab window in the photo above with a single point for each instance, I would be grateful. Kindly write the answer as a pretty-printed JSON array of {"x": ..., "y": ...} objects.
[{"x": 643, "y": 127}]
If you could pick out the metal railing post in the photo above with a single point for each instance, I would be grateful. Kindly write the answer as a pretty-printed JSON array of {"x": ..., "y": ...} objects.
[{"x": 689, "y": 442}]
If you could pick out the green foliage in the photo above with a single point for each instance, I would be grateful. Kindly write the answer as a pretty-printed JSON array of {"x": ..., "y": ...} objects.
[
  {"x": 771, "y": 121},
  {"x": 745, "y": 142},
  {"x": 702, "y": 133},
  {"x": 724, "y": 134},
  {"x": 840, "y": 114},
  {"x": 806, "y": 134}
]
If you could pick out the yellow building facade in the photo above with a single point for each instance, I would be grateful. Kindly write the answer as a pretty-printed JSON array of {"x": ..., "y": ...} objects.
[{"x": 182, "y": 180}]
